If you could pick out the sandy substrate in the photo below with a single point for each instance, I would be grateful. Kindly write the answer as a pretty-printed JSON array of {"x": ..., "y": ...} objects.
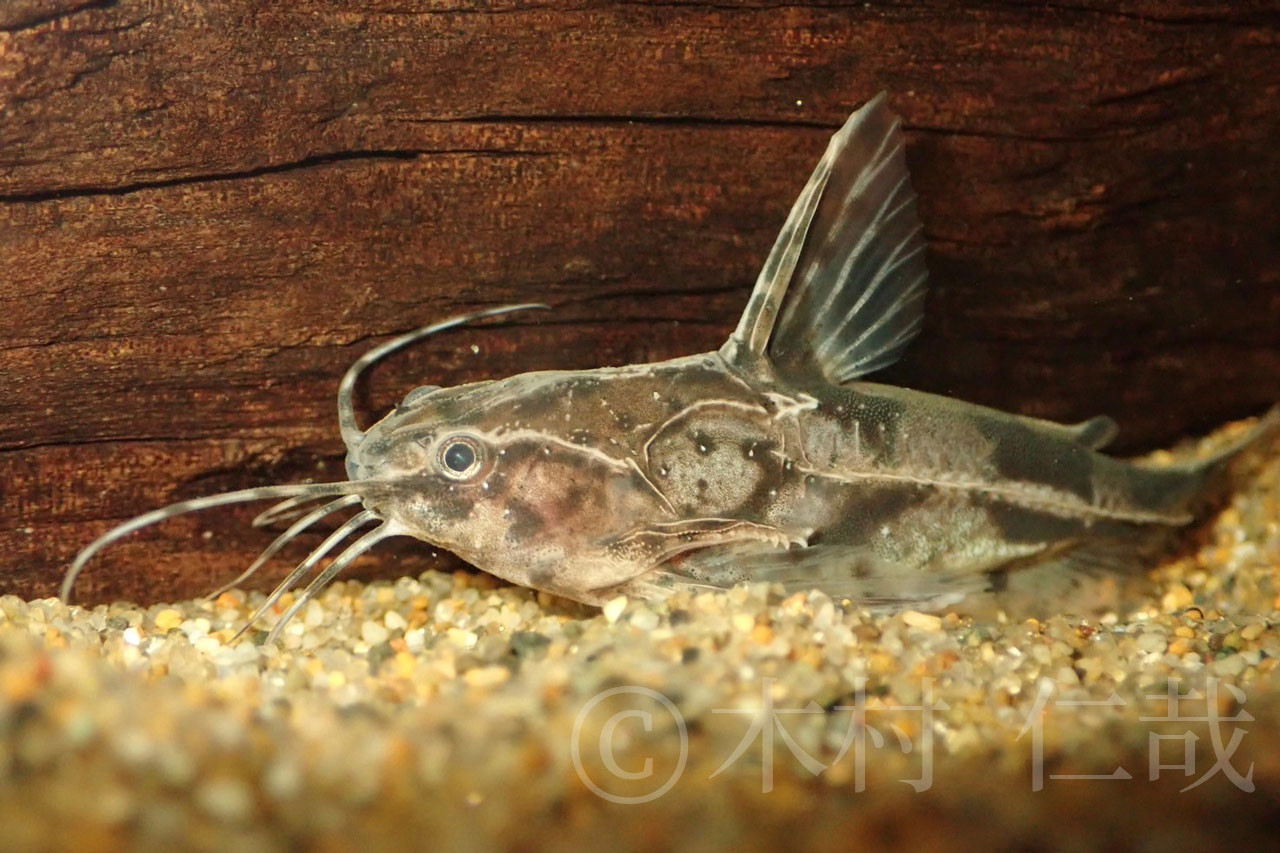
[{"x": 451, "y": 712}]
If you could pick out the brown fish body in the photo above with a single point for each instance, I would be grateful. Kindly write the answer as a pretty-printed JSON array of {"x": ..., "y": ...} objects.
[
  {"x": 695, "y": 470},
  {"x": 772, "y": 459}
]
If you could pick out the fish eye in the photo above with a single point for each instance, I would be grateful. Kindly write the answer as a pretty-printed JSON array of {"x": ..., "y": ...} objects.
[{"x": 460, "y": 457}]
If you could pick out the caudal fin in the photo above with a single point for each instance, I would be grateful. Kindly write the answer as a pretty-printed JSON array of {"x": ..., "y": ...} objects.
[{"x": 1214, "y": 476}]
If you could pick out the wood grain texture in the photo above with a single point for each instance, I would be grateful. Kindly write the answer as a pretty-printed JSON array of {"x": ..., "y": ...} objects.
[{"x": 207, "y": 209}]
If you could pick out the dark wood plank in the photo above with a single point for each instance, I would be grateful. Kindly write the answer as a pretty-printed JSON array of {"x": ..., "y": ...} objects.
[{"x": 208, "y": 209}]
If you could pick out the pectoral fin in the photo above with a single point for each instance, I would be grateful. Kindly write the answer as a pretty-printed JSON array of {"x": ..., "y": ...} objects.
[
  {"x": 842, "y": 292},
  {"x": 658, "y": 543},
  {"x": 656, "y": 547}
]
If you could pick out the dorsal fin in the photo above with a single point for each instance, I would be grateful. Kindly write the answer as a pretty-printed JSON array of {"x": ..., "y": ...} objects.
[{"x": 842, "y": 291}]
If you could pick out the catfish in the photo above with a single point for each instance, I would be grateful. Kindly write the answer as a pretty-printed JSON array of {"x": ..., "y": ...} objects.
[{"x": 772, "y": 459}]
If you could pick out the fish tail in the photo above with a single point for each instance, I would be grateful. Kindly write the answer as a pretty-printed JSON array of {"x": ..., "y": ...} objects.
[
  {"x": 1182, "y": 492},
  {"x": 1097, "y": 573},
  {"x": 1213, "y": 477}
]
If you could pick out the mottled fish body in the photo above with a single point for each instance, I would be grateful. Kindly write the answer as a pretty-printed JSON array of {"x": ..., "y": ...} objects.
[
  {"x": 694, "y": 471},
  {"x": 772, "y": 459}
]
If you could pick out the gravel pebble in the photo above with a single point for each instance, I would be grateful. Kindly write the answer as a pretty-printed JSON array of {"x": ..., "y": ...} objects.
[
  {"x": 373, "y": 633},
  {"x": 923, "y": 621},
  {"x": 168, "y": 619},
  {"x": 613, "y": 608}
]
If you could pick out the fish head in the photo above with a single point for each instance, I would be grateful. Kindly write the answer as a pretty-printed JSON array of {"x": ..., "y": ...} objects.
[{"x": 510, "y": 476}]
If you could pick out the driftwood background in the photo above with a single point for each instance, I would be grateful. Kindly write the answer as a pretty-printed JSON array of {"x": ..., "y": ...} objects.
[{"x": 208, "y": 209}]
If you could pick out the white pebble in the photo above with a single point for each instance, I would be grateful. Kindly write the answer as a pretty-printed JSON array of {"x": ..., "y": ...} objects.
[
  {"x": 613, "y": 608},
  {"x": 373, "y": 633},
  {"x": 195, "y": 628},
  {"x": 923, "y": 621},
  {"x": 1152, "y": 642},
  {"x": 459, "y": 637},
  {"x": 645, "y": 620},
  {"x": 487, "y": 676},
  {"x": 1229, "y": 666},
  {"x": 282, "y": 780},
  {"x": 133, "y": 746},
  {"x": 313, "y": 615}
]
